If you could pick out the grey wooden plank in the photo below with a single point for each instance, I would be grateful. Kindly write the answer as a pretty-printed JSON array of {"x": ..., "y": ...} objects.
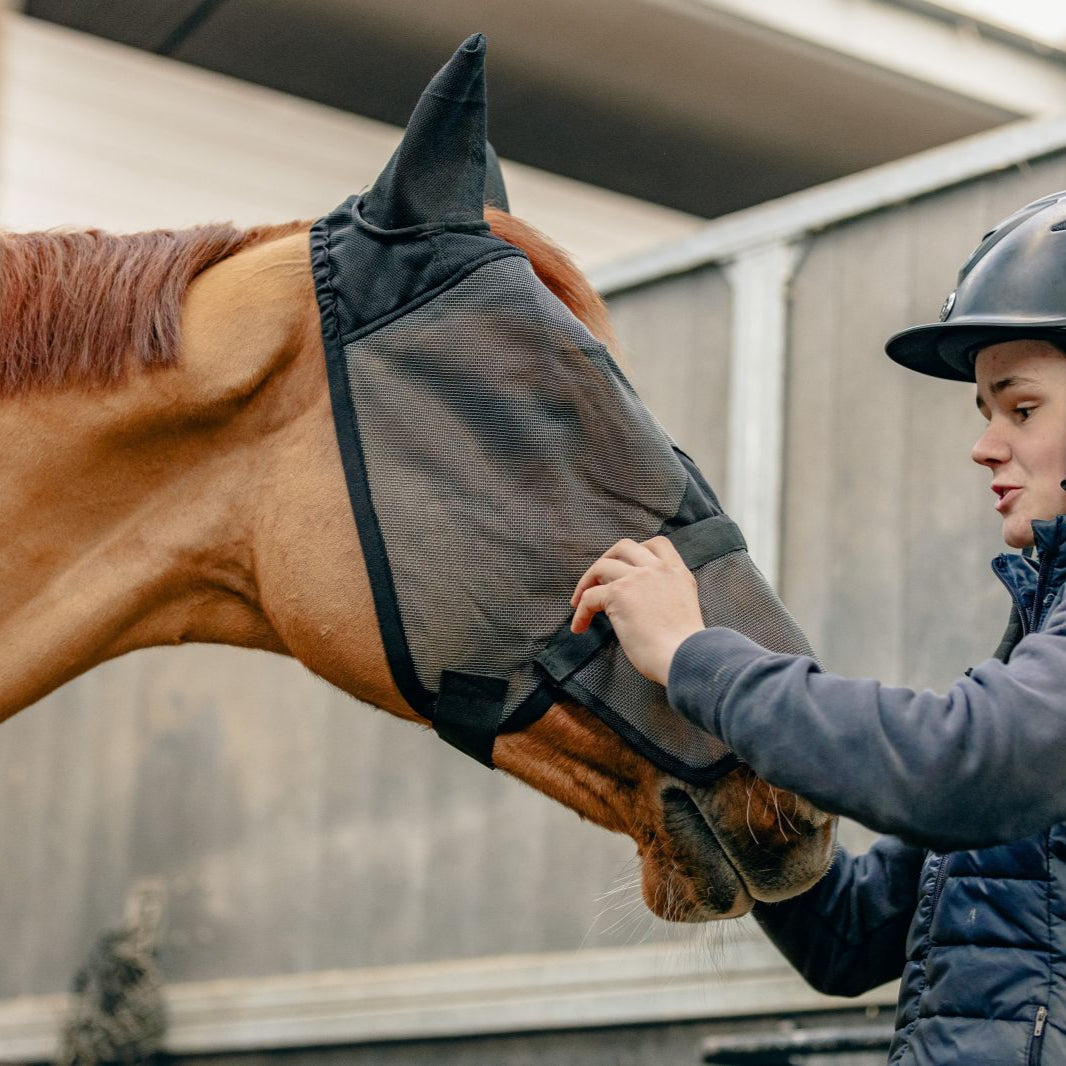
[
  {"x": 676, "y": 1044},
  {"x": 675, "y": 341},
  {"x": 840, "y": 547},
  {"x": 950, "y": 530}
]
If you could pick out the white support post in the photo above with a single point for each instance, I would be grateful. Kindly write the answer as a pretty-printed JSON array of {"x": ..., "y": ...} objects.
[{"x": 760, "y": 281}]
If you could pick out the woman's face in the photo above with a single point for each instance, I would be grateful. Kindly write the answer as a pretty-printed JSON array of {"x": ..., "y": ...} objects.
[{"x": 1021, "y": 391}]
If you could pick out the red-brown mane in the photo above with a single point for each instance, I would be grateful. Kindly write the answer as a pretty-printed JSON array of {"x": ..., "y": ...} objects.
[
  {"x": 556, "y": 269},
  {"x": 78, "y": 307}
]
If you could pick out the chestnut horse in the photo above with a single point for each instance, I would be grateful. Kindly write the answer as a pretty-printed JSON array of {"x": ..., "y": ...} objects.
[{"x": 171, "y": 474}]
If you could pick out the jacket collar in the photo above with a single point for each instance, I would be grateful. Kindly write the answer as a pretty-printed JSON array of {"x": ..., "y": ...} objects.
[
  {"x": 1050, "y": 537},
  {"x": 1021, "y": 574}
]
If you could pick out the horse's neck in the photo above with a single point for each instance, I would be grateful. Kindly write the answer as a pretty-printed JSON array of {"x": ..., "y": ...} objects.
[{"x": 126, "y": 509}]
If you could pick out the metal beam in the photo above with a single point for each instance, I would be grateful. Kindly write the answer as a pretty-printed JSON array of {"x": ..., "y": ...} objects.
[
  {"x": 760, "y": 282},
  {"x": 793, "y": 216}
]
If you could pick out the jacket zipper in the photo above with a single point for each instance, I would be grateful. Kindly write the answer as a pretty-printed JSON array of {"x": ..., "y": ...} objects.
[
  {"x": 1041, "y": 584},
  {"x": 1038, "y": 1032},
  {"x": 1031, "y": 621},
  {"x": 938, "y": 885}
]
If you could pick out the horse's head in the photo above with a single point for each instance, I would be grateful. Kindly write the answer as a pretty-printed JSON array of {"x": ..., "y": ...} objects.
[{"x": 490, "y": 449}]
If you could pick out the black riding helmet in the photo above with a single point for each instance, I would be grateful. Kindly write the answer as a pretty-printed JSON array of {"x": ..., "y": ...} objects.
[{"x": 1013, "y": 286}]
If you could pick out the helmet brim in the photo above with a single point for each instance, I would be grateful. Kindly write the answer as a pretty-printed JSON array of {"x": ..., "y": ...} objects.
[{"x": 949, "y": 349}]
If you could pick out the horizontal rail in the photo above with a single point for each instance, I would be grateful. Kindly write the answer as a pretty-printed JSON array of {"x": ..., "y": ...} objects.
[
  {"x": 456, "y": 998},
  {"x": 792, "y": 217}
]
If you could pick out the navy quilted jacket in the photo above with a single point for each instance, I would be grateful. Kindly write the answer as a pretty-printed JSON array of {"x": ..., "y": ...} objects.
[{"x": 976, "y": 928}]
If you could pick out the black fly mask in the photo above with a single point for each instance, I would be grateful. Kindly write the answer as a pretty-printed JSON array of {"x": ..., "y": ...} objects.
[{"x": 493, "y": 450}]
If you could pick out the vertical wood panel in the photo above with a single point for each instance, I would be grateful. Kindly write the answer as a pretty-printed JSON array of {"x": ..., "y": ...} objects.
[
  {"x": 675, "y": 342},
  {"x": 888, "y": 525},
  {"x": 295, "y": 829},
  {"x": 843, "y": 449}
]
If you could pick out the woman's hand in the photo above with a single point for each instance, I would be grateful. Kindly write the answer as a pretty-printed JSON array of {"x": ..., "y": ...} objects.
[{"x": 650, "y": 597}]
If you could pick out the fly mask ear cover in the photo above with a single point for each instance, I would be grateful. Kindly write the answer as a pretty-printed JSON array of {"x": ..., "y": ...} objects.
[{"x": 493, "y": 450}]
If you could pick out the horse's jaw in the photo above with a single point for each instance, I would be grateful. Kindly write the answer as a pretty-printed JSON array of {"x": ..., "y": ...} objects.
[{"x": 706, "y": 853}]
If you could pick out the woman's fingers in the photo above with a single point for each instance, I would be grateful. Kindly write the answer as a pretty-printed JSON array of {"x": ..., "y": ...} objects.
[
  {"x": 651, "y": 598},
  {"x": 663, "y": 549},
  {"x": 629, "y": 551},
  {"x": 601, "y": 571},
  {"x": 614, "y": 562},
  {"x": 592, "y": 600}
]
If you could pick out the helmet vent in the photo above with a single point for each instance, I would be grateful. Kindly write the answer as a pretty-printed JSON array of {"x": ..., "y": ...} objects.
[{"x": 1059, "y": 226}]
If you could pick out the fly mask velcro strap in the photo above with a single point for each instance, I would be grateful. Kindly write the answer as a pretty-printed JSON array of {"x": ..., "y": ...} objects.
[
  {"x": 468, "y": 713},
  {"x": 698, "y": 544}
]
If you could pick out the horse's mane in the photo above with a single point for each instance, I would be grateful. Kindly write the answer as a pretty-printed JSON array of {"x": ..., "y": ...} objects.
[
  {"x": 556, "y": 269},
  {"x": 78, "y": 307}
]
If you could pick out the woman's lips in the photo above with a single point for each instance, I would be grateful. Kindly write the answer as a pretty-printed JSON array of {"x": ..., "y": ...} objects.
[{"x": 1006, "y": 498}]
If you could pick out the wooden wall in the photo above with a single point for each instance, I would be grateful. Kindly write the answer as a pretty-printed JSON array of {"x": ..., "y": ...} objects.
[
  {"x": 99, "y": 134},
  {"x": 889, "y": 526},
  {"x": 294, "y": 828},
  {"x": 674, "y": 340}
]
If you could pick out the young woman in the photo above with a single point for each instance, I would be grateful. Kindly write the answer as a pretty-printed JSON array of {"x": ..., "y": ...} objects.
[{"x": 976, "y": 927}]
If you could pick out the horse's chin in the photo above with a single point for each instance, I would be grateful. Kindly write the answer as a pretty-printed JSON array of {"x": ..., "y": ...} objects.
[{"x": 687, "y": 876}]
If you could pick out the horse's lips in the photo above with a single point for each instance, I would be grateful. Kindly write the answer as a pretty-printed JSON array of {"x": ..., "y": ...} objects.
[
  {"x": 688, "y": 827},
  {"x": 767, "y": 879}
]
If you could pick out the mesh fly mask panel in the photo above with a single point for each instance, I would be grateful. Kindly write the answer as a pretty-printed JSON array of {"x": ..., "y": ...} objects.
[{"x": 493, "y": 450}]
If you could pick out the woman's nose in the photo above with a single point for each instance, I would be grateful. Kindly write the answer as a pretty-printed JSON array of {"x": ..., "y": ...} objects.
[{"x": 990, "y": 448}]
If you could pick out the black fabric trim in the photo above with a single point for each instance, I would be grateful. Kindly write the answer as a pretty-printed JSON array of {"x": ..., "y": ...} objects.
[
  {"x": 531, "y": 709},
  {"x": 709, "y": 539},
  {"x": 567, "y": 652},
  {"x": 507, "y": 251},
  {"x": 370, "y": 537},
  {"x": 375, "y": 272},
  {"x": 468, "y": 712},
  {"x": 643, "y": 745},
  {"x": 700, "y": 500}
]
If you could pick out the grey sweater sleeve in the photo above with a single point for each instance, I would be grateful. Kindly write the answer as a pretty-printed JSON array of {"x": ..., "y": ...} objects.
[
  {"x": 848, "y": 933},
  {"x": 982, "y": 764}
]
